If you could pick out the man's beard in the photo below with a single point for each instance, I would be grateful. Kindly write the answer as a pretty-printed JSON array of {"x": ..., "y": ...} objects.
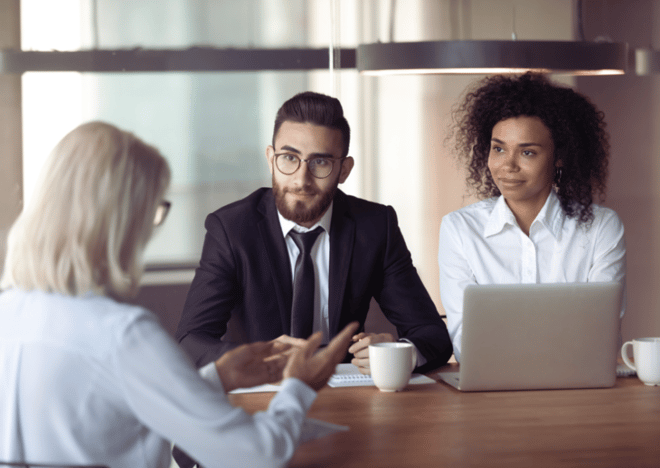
[{"x": 299, "y": 213}]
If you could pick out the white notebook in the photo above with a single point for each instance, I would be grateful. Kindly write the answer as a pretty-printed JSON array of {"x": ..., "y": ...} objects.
[{"x": 347, "y": 375}]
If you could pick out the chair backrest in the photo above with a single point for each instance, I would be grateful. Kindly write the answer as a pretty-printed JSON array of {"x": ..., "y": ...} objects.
[{"x": 46, "y": 465}]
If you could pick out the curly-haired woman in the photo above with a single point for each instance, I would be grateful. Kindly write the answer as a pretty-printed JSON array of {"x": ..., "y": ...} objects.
[{"x": 536, "y": 153}]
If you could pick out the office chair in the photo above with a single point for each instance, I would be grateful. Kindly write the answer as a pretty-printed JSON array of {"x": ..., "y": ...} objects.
[{"x": 46, "y": 465}]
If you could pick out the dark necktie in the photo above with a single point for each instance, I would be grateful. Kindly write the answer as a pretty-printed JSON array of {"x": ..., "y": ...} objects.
[{"x": 302, "y": 307}]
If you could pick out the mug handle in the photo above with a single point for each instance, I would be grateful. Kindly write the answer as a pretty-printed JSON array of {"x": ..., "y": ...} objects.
[{"x": 624, "y": 355}]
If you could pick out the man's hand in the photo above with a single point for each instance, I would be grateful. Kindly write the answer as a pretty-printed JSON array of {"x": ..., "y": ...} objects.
[
  {"x": 316, "y": 368},
  {"x": 249, "y": 365},
  {"x": 360, "y": 348}
]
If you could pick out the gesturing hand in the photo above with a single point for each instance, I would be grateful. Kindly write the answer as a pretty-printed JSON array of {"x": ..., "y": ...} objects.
[
  {"x": 315, "y": 368},
  {"x": 286, "y": 344},
  {"x": 249, "y": 365}
]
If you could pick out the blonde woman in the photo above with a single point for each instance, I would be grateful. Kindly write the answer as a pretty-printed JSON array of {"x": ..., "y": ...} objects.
[{"x": 89, "y": 379}]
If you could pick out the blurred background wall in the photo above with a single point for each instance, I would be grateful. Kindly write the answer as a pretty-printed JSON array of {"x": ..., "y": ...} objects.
[{"x": 214, "y": 127}]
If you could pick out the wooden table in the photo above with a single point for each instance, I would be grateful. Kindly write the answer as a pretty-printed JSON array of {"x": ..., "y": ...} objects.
[{"x": 435, "y": 425}]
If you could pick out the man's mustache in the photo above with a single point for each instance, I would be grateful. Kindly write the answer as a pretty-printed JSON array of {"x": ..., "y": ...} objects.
[{"x": 301, "y": 191}]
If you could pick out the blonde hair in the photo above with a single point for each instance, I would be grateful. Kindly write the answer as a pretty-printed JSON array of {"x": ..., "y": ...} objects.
[{"x": 87, "y": 223}]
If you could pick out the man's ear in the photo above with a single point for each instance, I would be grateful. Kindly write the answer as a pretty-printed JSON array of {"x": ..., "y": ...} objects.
[
  {"x": 270, "y": 157},
  {"x": 346, "y": 168}
]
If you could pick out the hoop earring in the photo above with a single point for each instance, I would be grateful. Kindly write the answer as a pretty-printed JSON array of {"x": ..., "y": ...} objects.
[{"x": 557, "y": 176}]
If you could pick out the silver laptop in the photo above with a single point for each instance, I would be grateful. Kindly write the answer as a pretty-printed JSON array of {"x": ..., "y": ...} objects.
[{"x": 538, "y": 336}]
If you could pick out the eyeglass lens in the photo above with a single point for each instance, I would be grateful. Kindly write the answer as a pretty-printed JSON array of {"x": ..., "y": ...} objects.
[
  {"x": 289, "y": 163},
  {"x": 161, "y": 212}
]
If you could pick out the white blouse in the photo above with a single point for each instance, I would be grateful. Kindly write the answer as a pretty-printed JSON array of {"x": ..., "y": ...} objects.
[
  {"x": 90, "y": 380},
  {"x": 483, "y": 244}
]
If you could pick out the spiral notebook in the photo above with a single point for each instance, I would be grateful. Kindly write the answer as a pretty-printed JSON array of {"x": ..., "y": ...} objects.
[{"x": 347, "y": 375}]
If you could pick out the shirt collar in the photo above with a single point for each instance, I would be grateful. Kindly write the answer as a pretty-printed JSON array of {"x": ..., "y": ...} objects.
[
  {"x": 324, "y": 222},
  {"x": 551, "y": 216},
  {"x": 499, "y": 217}
]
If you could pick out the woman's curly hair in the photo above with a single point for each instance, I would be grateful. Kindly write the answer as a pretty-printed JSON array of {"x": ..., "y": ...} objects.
[{"x": 576, "y": 125}]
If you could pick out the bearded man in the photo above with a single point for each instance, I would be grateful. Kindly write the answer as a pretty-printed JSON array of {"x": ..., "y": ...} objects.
[{"x": 258, "y": 281}]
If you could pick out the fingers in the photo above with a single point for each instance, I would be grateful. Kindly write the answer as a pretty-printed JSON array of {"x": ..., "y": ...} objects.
[
  {"x": 258, "y": 351},
  {"x": 360, "y": 349},
  {"x": 365, "y": 339},
  {"x": 326, "y": 360},
  {"x": 299, "y": 359},
  {"x": 275, "y": 366},
  {"x": 336, "y": 349},
  {"x": 361, "y": 361},
  {"x": 315, "y": 368},
  {"x": 363, "y": 342},
  {"x": 277, "y": 360},
  {"x": 291, "y": 341},
  {"x": 348, "y": 332},
  {"x": 362, "y": 364},
  {"x": 238, "y": 355},
  {"x": 359, "y": 336},
  {"x": 362, "y": 353},
  {"x": 339, "y": 344},
  {"x": 262, "y": 348},
  {"x": 285, "y": 343},
  {"x": 361, "y": 345},
  {"x": 278, "y": 350},
  {"x": 313, "y": 343}
]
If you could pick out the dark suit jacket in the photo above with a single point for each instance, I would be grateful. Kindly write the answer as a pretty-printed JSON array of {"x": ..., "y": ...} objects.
[{"x": 245, "y": 275}]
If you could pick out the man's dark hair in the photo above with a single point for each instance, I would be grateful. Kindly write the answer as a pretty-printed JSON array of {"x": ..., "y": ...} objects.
[
  {"x": 576, "y": 125},
  {"x": 317, "y": 109}
]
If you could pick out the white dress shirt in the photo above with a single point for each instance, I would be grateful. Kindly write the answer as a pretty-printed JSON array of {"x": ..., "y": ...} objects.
[
  {"x": 483, "y": 244},
  {"x": 90, "y": 380},
  {"x": 320, "y": 255}
]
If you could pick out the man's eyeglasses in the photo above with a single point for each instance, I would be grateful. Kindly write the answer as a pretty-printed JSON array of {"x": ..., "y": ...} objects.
[
  {"x": 288, "y": 163},
  {"x": 161, "y": 212}
]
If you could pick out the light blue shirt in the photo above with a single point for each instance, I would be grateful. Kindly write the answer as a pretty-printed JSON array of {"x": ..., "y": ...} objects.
[{"x": 89, "y": 380}]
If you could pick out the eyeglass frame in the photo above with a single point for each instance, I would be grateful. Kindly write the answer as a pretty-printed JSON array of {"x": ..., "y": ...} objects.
[
  {"x": 162, "y": 210},
  {"x": 300, "y": 160}
]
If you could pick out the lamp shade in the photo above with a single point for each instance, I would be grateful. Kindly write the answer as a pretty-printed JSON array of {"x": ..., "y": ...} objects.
[{"x": 479, "y": 57}]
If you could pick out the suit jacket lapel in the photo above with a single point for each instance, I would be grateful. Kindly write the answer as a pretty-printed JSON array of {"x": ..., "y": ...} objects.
[
  {"x": 280, "y": 267},
  {"x": 342, "y": 236}
]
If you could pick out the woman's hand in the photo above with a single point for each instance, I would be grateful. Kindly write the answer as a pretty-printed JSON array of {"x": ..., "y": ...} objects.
[
  {"x": 315, "y": 368},
  {"x": 250, "y": 365}
]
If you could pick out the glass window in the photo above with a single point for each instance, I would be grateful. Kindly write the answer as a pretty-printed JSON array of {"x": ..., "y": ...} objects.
[{"x": 213, "y": 127}]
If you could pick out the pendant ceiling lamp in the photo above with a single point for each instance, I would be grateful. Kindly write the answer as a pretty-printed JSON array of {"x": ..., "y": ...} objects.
[
  {"x": 478, "y": 57},
  {"x": 497, "y": 56}
]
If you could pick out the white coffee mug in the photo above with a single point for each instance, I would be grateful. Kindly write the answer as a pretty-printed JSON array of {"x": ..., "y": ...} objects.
[
  {"x": 391, "y": 365},
  {"x": 646, "y": 355}
]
